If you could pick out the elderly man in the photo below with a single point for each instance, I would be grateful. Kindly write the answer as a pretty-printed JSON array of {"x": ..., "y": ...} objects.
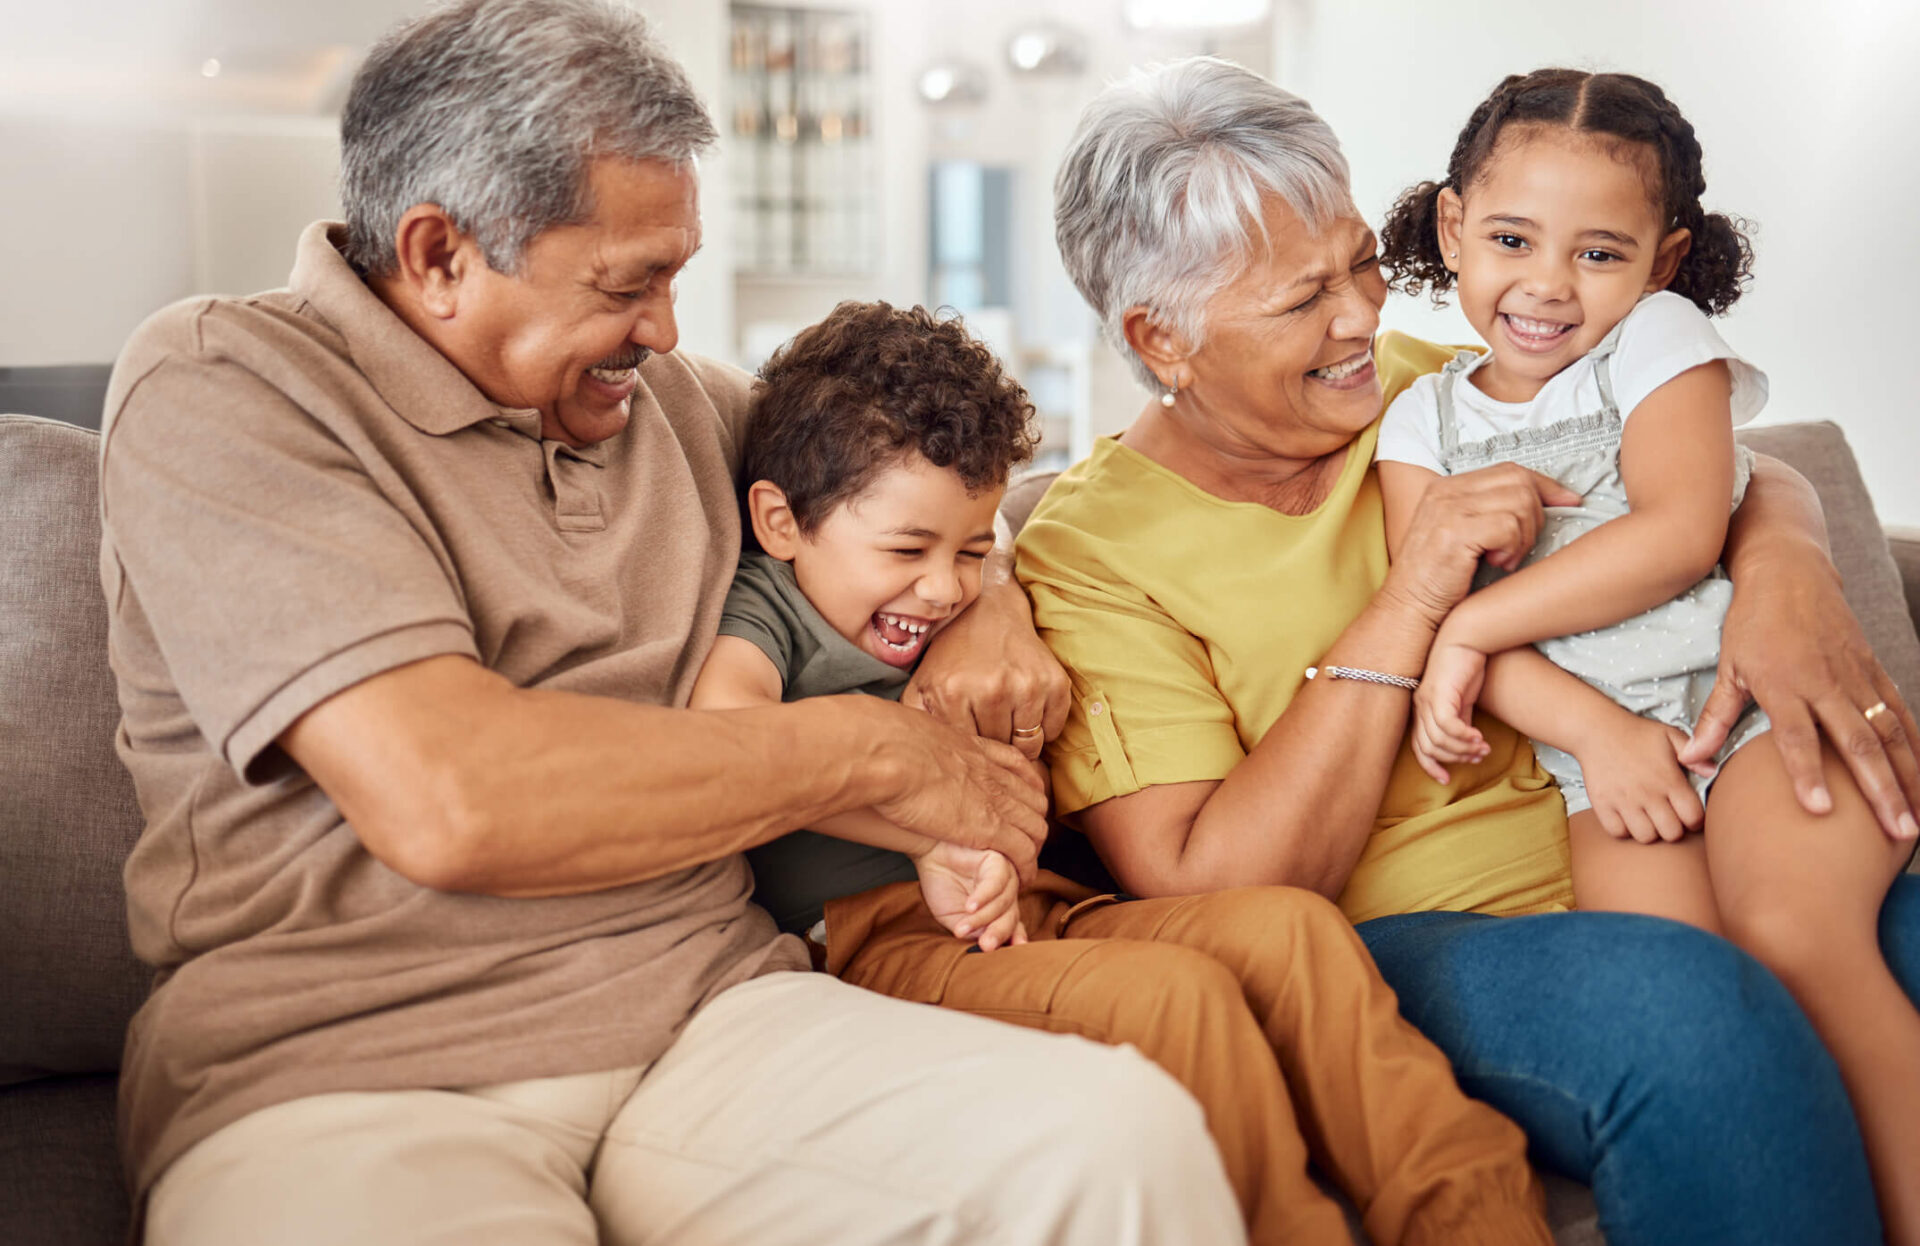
[{"x": 411, "y": 566}]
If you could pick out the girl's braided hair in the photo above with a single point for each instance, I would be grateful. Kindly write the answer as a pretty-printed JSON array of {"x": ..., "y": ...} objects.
[{"x": 1719, "y": 262}]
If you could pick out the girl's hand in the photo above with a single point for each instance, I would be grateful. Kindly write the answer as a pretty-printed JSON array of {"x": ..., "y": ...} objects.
[
  {"x": 973, "y": 893},
  {"x": 1494, "y": 513},
  {"x": 1443, "y": 730},
  {"x": 1636, "y": 783}
]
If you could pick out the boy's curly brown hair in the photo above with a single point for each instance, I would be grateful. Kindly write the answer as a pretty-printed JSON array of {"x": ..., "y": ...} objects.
[{"x": 869, "y": 385}]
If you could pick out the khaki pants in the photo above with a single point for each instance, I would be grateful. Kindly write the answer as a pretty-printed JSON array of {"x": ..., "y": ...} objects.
[
  {"x": 793, "y": 1111},
  {"x": 1264, "y": 1003}
]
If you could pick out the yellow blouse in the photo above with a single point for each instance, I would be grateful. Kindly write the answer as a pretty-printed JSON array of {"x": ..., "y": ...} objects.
[{"x": 1187, "y": 622}]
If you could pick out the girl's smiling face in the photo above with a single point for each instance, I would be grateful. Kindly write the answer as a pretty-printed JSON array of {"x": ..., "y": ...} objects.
[{"x": 1551, "y": 247}]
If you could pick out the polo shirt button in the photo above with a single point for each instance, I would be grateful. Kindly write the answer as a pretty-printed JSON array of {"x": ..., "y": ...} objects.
[
  {"x": 497, "y": 423},
  {"x": 1098, "y": 707}
]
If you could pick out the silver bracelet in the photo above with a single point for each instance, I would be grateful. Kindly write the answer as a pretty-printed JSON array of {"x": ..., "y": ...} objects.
[{"x": 1370, "y": 677}]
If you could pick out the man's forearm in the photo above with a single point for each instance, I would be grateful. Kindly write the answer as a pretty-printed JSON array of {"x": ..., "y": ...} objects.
[{"x": 461, "y": 781}]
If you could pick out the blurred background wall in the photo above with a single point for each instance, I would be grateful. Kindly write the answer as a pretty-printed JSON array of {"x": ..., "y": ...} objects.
[{"x": 904, "y": 149}]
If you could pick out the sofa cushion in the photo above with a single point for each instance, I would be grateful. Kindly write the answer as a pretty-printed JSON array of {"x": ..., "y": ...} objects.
[
  {"x": 60, "y": 1181},
  {"x": 67, "y": 811}
]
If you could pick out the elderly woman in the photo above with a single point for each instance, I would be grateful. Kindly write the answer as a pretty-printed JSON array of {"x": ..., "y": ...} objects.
[{"x": 1191, "y": 571}]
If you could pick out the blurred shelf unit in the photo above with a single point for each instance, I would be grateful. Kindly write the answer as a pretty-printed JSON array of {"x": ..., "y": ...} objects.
[
  {"x": 1058, "y": 382},
  {"x": 801, "y": 143}
]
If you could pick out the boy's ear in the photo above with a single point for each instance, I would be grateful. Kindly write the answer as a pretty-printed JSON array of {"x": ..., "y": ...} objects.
[
  {"x": 1164, "y": 350},
  {"x": 1449, "y": 216},
  {"x": 774, "y": 526},
  {"x": 1666, "y": 259}
]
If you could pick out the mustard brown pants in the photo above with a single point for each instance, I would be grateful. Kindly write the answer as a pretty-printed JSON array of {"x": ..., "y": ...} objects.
[{"x": 1264, "y": 1003}]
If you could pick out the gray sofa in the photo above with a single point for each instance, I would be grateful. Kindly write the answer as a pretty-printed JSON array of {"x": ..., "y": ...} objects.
[{"x": 68, "y": 817}]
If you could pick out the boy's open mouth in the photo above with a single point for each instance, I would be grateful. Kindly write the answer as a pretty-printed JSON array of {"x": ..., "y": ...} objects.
[{"x": 901, "y": 637}]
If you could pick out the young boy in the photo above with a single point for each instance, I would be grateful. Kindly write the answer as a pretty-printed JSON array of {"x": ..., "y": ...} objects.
[{"x": 878, "y": 448}]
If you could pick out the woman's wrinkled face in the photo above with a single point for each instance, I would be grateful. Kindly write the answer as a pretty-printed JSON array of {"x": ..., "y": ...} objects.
[{"x": 1286, "y": 368}]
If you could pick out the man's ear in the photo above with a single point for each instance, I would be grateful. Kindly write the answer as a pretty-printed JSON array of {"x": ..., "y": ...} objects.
[
  {"x": 1666, "y": 260},
  {"x": 774, "y": 526},
  {"x": 435, "y": 257},
  {"x": 1449, "y": 217},
  {"x": 1164, "y": 350}
]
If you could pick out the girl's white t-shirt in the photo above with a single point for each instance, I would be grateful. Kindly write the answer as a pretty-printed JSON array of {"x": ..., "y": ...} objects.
[{"x": 1663, "y": 336}]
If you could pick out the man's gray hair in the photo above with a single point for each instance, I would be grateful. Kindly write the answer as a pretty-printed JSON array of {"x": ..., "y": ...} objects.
[
  {"x": 1159, "y": 197},
  {"x": 495, "y": 109}
]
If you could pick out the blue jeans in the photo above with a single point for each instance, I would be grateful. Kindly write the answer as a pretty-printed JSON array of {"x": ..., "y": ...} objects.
[{"x": 1663, "y": 1066}]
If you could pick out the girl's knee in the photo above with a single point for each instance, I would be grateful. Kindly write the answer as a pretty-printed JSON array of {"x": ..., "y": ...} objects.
[{"x": 1797, "y": 934}]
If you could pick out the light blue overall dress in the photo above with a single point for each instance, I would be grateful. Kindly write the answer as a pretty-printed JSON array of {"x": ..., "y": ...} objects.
[{"x": 1660, "y": 664}]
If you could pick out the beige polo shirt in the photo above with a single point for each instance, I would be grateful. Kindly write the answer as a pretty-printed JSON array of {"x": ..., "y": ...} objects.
[{"x": 299, "y": 493}]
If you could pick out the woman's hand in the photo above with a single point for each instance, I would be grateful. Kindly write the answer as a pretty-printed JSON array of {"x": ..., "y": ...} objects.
[
  {"x": 1493, "y": 513},
  {"x": 1791, "y": 643},
  {"x": 987, "y": 673}
]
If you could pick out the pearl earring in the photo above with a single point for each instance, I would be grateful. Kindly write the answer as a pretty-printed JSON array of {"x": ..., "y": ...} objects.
[
  {"x": 1453, "y": 255},
  {"x": 1166, "y": 399}
]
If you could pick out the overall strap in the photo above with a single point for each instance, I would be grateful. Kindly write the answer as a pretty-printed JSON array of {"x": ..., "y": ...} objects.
[
  {"x": 1443, "y": 400},
  {"x": 1603, "y": 368}
]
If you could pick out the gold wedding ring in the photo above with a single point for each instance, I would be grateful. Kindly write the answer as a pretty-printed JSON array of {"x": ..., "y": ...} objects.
[
  {"x": 1027, "y": 733},
  {"x": 1874, "y": 711}
]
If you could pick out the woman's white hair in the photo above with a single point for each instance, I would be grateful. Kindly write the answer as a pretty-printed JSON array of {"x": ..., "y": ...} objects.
[
  {"x": 1159, "y": 196},
  {"x": 495, "y": 109}
]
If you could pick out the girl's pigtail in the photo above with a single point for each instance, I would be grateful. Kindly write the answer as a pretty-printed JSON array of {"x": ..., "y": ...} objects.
[
  {"x": 1410, "y": 238},
  {"x": 1719, "y": 264},
  {"x": 1719, "y": 260},
  {"x": 1410, "y": 244}
]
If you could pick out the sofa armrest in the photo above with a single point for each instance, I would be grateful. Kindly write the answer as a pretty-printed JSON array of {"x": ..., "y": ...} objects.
[{"x": 1905, "y": 544}]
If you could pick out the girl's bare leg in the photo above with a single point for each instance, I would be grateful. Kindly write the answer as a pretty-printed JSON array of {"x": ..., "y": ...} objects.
[
  {"x": 1802, "y": 893},
  {"x": 1625, "y": 876}
]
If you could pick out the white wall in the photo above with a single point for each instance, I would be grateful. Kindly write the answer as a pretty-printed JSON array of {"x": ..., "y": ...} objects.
[
  {"x": 95, "y": 233},
  {"x": 116, "y": 207},
  {"x": 1808, "y": 116}
]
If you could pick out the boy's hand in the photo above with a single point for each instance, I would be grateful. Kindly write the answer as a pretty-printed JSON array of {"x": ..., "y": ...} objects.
[
  {"x": 1632, "y": 770},
  {"x": 973, "y": 893},
  {"x": 1443, "y": 730}
]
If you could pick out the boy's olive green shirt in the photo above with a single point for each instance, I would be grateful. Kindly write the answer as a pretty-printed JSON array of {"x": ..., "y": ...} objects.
[
  {"x": 1187, "y": 622},
  {"x": 299, "y": 493}
]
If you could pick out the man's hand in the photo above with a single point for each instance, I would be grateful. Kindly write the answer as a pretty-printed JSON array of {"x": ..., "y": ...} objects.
[
  {"x": 1634, "y": 779},
  {"x": 956, "y": 787},
  {"x": 974, "y": 894},
  {"x": 1443, "y": 730},
  {"x": 1792, "y": 643},
  {"x": 988, "y": 674}
]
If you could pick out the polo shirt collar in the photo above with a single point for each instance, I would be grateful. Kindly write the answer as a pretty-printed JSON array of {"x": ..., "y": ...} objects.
[{"x": 418, "y": 382}]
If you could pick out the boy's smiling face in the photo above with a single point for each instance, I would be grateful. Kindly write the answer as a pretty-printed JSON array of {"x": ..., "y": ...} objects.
[{"x": 890, "y": 567}]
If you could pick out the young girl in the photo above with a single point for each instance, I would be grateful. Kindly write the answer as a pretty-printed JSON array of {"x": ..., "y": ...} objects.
[{"x": 1570, "y": 223}]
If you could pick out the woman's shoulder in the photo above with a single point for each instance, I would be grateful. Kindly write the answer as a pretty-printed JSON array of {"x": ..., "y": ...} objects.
[
  {"x": 1112, "y": 517},
  {"x": 1401, "y": 359}
]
